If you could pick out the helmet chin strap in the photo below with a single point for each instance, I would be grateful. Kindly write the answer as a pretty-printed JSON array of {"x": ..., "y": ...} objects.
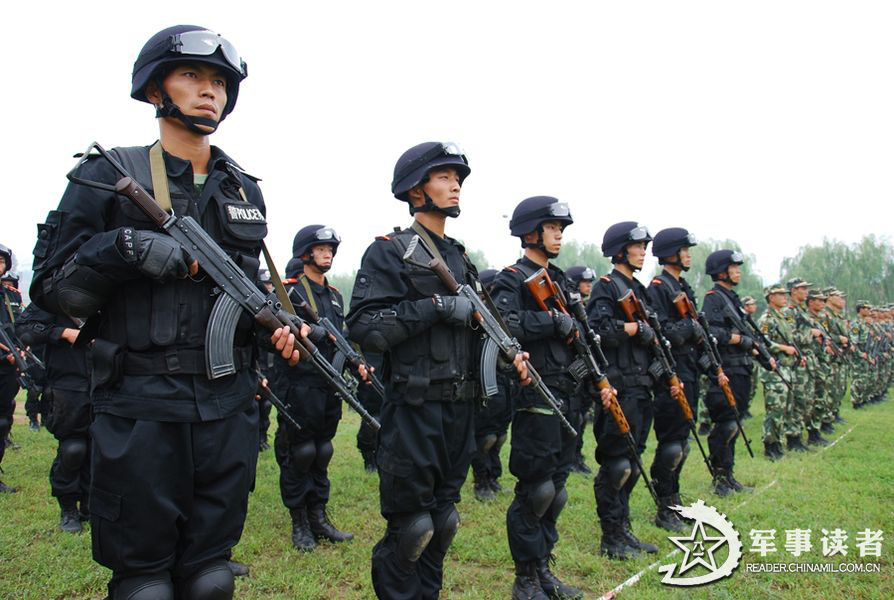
[
  {"x": 539, "y": 244},
  {"x": 316, "y": 265},
  {"x": 169, "y": 109},
  {"x": 677, "y": 263},
  {"x": 429, "y": 206}
]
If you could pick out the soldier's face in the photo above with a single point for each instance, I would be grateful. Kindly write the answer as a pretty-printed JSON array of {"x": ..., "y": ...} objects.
[
  {"x": 442, "y": 187},
  {"x": 735, "y": 274},
  {"x": 799, "y": 294},
  {"x": 685, "y": 258},
  {"x": 636, "y": 254},
  {"x": 751, "y": 308},
  {"x": 2, "y": 265},
  {"x": 552, "y": 236},
  {"x": 778, "y": 300},
  {"x": 199, "y": 90},
  {"x": 321, "y": 255},
  {"x": 585, "y": 287},
  {"x": 816, "y": 304}
]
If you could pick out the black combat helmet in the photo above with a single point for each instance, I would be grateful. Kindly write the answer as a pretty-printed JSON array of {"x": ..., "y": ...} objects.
[
  {"x": 668, "y": 242},
  {"x": 414, "y": 165},
  {"x": 6, "y": 253},
  {"x": 620, "y": 235},
  {"x": 579, "y": 273},
  {"x": 720, "y": 260},
  {"x": 310, "y": 236},
  {"x": 530, "y": 215},
  {"x": 186, "y": 43}
]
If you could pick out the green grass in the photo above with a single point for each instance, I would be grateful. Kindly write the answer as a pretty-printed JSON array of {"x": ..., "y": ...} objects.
[{"x": 850, "y": 486}]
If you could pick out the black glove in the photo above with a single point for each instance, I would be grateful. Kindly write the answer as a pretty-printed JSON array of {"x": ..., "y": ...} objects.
[
  {"x": 746, "y": 343},
  {"x": 156, "y": 255},
  {"x": 454, "y": 310},
  {"x": 563, "y": 324},
  {"x": 317, "y": 333},
  {"x": 644, "y": 334}
]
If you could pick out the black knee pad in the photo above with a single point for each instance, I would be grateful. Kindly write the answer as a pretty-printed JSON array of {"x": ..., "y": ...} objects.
[
  {"x": 303, "y": 455},
  {"x": 324, "y": 454},
  {"x": 541, "y": 496},
  {"x": 619, "y": 470},
  {"x": 5, "y": 426},
  {"x": 501, "y": 439},
  {"x": 487, "y": 442},
  {"x": 558, "y": 504},
  {"x": 446, "y": 525},
  {"x": 72, "y": 452},
  {"x": 668, "y": 455},
  {"x": 415, "y": 537},
  {"x": 686, "y": 449},
  {"x": 145, "y": 587},
  {"x": 728, "y": 430},
  {"x": 214, "y": 581}
]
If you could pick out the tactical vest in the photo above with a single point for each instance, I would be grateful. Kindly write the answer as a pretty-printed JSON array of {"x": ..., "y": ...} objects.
[
  {"x": 435, "y": 363},
  {"x": 162, "y": 325},
  {"x": 629, "y": 362}
]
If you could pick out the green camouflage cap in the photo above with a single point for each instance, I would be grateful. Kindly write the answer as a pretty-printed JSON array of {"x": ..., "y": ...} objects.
[
  {"x": 776, "y": 288},
  {"x": 748, "y": 300},
  {"x": 816, "y": 294},
  {"x": 795, "y": 282},
  {"x": 862, "y": 304},
  {"x": 837, "y": 292}
]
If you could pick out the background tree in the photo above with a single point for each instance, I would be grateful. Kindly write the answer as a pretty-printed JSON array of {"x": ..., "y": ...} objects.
[
  {"x": 583, "y": 254},
  {"x": 864, "y": 270}
]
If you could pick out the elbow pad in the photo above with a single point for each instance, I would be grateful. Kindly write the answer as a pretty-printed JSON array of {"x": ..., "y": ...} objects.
[
  {"x": 80, "y": 291},
  {"x": 378, "y": 331}
]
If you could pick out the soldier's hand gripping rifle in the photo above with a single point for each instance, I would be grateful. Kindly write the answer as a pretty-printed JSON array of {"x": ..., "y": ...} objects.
[
  {"x": 499, "y": 340},
  {"x": 746, "y": 325},
  {"x": 27, "y": 364},
  {"x": 343, "y": 345},
  {"x": 634, "y": 311},
  {"x": 238, "y": 292},
  {"x": 544, "y": 290}
]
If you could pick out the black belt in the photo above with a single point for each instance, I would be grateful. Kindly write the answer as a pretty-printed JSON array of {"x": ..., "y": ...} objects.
[
  {"x": 180, "y": 361},
  {"x": 441, "y": 391}
]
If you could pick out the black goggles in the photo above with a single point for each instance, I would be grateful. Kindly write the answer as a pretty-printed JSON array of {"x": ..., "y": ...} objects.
[
  {"x": 327, "y": 235},
  {"x": 206, "y": 43}
]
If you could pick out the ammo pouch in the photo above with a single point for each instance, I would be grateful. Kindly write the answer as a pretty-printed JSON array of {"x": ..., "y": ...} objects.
[
  {"x": 704, "y": 363},
  {"x": 578, "y": 370},
  {"x": 178, "y": 361},
  {"x": 656, "y": 370},
  {"x": 104, "y": 363}
]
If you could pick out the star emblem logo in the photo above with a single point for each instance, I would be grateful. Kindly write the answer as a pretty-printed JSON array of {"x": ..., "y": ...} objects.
[{"x": 696, "y": 546}]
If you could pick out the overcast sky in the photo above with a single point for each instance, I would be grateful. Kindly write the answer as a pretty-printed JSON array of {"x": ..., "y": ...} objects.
[{"x": 767, "y": 122}]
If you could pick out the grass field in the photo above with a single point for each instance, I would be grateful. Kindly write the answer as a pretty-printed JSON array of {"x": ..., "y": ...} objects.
[{"x": 849, "y": 486}]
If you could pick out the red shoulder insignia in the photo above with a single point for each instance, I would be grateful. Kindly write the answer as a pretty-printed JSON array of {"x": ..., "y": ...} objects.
[
  {"x": 383, "y": 238},
  {"x": 709, "y": 292},
  {"x": 605, "y": 278},
  {"x": 657, "y": 281},
  {"x": 332, "y": 287},
  {"x": 511, "y": 269},
  {"x": 289, "y": 281}
]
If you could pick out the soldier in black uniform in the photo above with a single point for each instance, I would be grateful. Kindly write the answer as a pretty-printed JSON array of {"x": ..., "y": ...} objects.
[
  {"x": 582, "y": 279},
  {"x": 303, "y": 455},
  {"x": 429, "y": 372},
  {"x": 173, "y": 452},
  {"x": 492, "y": 418},
  {"x": 671, "y": 247},
  {"x": 542, "y": 450},
  {"x": 10, "y": 310},
  {"x": 626, "y": 347},
  {"x": 69, "y": 422},
  {"x": 736, "y": 356},
  {"x": 367, "y": 437}
]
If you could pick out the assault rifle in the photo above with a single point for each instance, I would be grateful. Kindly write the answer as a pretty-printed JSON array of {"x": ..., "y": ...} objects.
[
  {"x": 713, "y": 354},
  {"x": 544, "y": 290},
  {"x": 634, "y": 311},
  {"x": 267, "y": 394},
  {"x": 238, "y": 292},
  {"x": 343, "y": 345},
  {"x": 499, "y": 340},
  {"x": 27, "y": 364},
  {"x": 746, "y": 326}
]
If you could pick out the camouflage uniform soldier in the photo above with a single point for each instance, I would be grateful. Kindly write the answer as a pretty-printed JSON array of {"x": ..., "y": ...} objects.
[
  {"x": 862, "y": 371},
  {"x": 778, "y": 399},
  {"x": 822, "y": 372},
  {"x": 837, "y": 327},
  {"x": 802, "y": 381}
]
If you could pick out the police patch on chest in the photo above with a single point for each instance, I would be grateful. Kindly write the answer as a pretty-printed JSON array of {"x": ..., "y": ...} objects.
[{"x": 244, "y": 213}]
